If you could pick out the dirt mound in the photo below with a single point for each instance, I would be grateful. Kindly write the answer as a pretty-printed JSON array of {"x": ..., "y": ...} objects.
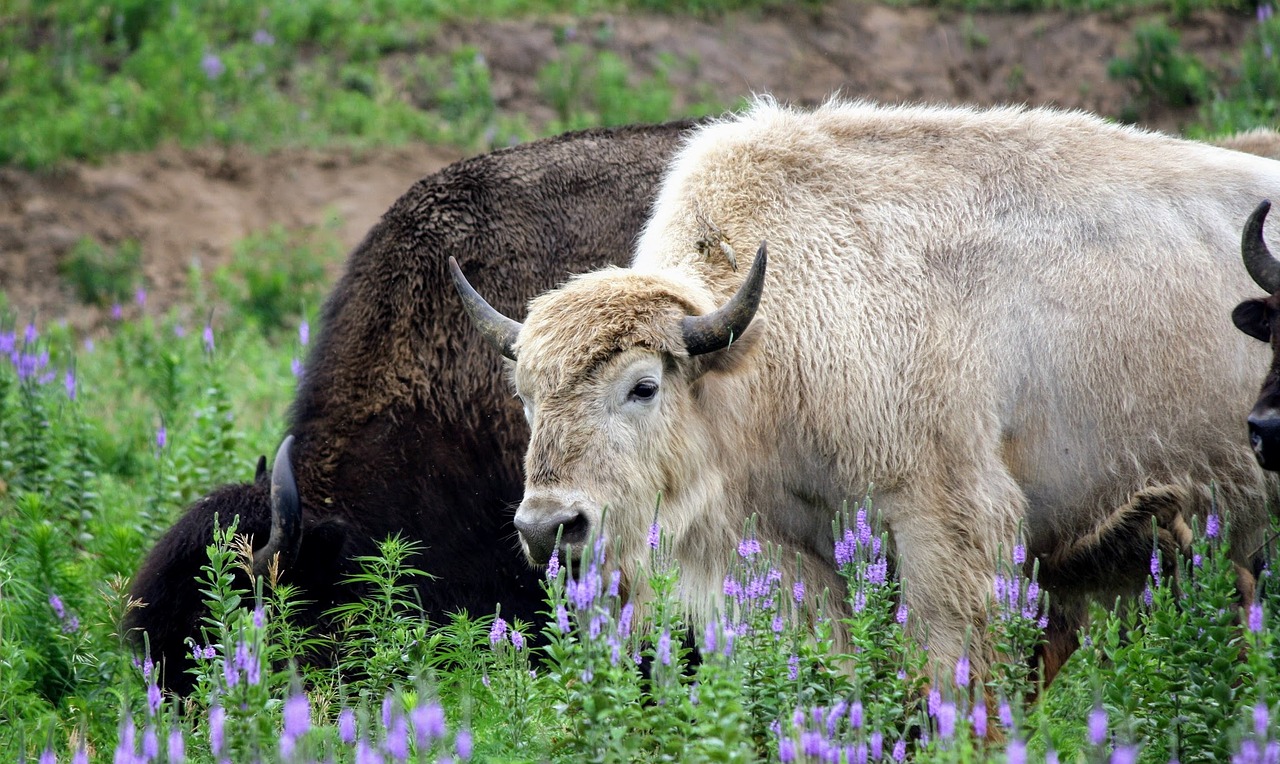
[{"x": 183, "y": 205}]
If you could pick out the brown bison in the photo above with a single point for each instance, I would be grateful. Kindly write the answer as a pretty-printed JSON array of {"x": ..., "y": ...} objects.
[
  {"x": 1007, "y": 321},
  {"x": 401, "y": 424},
  {"x": 1257, "y": 317}
]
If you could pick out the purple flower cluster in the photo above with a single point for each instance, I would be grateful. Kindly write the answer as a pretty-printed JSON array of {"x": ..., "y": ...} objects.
[
  {"x": 30, "y": 361},
  {"x": 1019, "y": 597},
  {"x": 70, "y": 622},
  {"x": 836, "y": 734}
]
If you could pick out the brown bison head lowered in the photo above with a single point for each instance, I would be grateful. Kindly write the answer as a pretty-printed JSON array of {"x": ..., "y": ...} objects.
[{"x": 1260, "y": 318}]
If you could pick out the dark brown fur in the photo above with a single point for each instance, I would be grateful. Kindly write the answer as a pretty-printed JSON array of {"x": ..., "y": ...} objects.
[{"x": 403, "y": 423}]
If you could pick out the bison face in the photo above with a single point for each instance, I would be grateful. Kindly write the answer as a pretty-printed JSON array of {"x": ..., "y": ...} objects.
[
  {"x": 606, "y": 367},
  {"x": 1259, "y": 319}
]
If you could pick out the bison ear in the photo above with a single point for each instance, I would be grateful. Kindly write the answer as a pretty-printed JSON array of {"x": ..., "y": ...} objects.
[
  {"x": 262, "y": 468},
  {"x": 1251, "y": 318}
]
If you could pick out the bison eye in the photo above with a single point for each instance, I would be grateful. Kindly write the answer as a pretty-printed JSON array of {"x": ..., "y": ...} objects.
[{"x": 644, "y": 391}]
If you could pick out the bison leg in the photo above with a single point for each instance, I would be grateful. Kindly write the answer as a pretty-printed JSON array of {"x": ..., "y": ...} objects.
[
  {"x": 948, "y": 538},
  {"x": 1119, "y": 548}
]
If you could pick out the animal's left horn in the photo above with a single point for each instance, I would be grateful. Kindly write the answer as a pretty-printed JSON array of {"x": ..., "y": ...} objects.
[
  {"x": 1264, "y": 268},
  {"x": 714, "y": 331},
  {"x": 286, "y": 514},
  {"x": 500, "y": 331}
]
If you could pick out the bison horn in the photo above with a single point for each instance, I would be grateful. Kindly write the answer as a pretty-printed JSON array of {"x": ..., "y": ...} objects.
[
  {"x": 1264, "y": 268},
  {"x": 500, "y": 331},
  {"x": 286, "y": 514},
  {"x": 714, "y": 331}
]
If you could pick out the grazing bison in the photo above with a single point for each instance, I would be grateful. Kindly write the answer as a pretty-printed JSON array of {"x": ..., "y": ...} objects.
[
  {"x": 1258, "y": 318},
  {"x": 1007, "y": 321},
  {"x": 401, "y": 424}
]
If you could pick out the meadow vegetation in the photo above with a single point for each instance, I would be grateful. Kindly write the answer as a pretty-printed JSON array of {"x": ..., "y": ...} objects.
[{"x": 104, "y": 440}]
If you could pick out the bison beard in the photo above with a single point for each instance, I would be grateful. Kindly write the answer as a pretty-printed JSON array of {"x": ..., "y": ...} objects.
[{"x": 402, "y": 424}]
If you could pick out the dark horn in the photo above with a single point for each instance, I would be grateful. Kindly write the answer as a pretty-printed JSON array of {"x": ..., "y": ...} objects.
[
  {"x": 500, "y": 331},
  {"x": 714, "y": 331},
  {"x": 286, "y": 514},
  {"x": 1264, "y": 268}
]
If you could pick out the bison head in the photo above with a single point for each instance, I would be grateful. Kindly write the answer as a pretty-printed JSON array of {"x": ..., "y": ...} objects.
[
  {"x": 1258, "y": 318},
  {"x": 607, "y": 368}
]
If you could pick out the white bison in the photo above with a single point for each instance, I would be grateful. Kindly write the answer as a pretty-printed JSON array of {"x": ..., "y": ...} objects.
[{"x": 1009, "y": 321}]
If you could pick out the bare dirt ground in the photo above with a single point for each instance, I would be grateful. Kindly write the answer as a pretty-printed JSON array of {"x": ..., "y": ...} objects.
[{"x": 185, "y": 205}]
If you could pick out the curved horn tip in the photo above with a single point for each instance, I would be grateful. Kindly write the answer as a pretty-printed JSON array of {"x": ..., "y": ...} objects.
[
  {"x": 1263, "y": 268},
  {"x": 500, "y": 331},
  {"x": 286, "y": 513},
  {"x": 718, "y": 329}
]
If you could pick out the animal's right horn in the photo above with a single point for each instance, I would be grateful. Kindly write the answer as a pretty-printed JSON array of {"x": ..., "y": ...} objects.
[
  {"x": 286, "y": 514},
  {"x": 714, "y": 331},
  {"x": 1264, "y": 268},
  {"x": 500, "y": 331}
]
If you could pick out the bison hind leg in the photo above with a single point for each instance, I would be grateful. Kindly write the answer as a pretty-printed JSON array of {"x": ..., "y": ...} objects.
[{"x": 1117, "y": 551}]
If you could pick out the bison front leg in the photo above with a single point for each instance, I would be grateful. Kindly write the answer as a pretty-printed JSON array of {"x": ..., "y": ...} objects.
[{"x": 948, "y": 541}]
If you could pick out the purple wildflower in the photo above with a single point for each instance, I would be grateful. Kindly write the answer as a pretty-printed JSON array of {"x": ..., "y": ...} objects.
[
  {"x": 793, "y": 667},
  {"x": 397, "y": 742},
  {"x": 69, "y": 384},
  {"x": 297, "y": 715},
  {"x": 30, "y": 335},
  {"x": 517, "y": 640},
  {"x": 1097, "y": 725},
  {"x": 1261, "y": 719},
  {"x": 1255, "y": 617},
  {"x": 877, "y": 745},
  {"x": 947, "y": 720},
  {"x": 709, "y": 638},
  {"x": 48, "y": 757},
  {"x": 615, "y": 579},
  {"x": 177, "y": 748},
  {"x": 498, "y": 632},
  {"x": 1019, "y": 554},
  {"x": 386, "y": 710},
  {"x": 962, "y": 671},
  {"x": 347, "y": 726},
  {"x": 304, "y": 333},
  {"x": 935, "y": 701},
  {"x": 1124, "y": 754},
  {"x": 624, "y": 620},
  {"x": 1265, "y": 12},
  {"x": 259, "y": 617},
  {"x": 797, "y": 591},
  {"x": 562, "y": 619},
  {"x": 979, "y": 717},
  {"x": 1155, "y": 566},
  {"x": 150, "y": 743},
  {"x": 1016, "y": 752},
  {"x": 1148, "y": 596},
  {"x": 664, "y": 648},
  {"x": 207, "y": 337},
  {"x": 55, "y": 602},
  {"x": 553, "y": 564},
  {"x": 786, "y": 750},
  {"x": 901, "y": 615},
  {"x": 900, "y": 750},
  {"x": 217, "y": 721},
  {"x": 732, "y": 588},
  {"x": 162, "y": 436},
  {"x": 117, "y": 311},
  {"x": 71, "y": 625},
  {"x": 296, "y": 368},
  {"x": 855, "y": 715},
  {"x": 748, "y": 548},
  {"x": 1004, "y": 712},
  {"x": 210, "y": 652},
  {"x": 367, "y": 754},
  {"x": 154, "y": 698},
  {"x": 428, "y": 723},
  {"x": 179, "y": 331},
  {"x": 1212, "y": 526},
  {"x": 140, "y": 297},
  {"x": 266, "y": 39},
  {"x": 462, "y": 744},
  {"x": 212, "y": 66},
  {"x": 654, "y": 535}
]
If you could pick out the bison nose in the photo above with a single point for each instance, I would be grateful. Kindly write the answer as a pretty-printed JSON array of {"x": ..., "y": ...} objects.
[
  {"x": 1264, "y": 434},
  {"x": 539, "y": 530}
]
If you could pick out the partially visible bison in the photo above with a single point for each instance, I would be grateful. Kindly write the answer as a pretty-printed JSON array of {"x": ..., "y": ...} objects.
[
  {"x": 1010, "y": 322},
  {"x": 402, "y": 423},
  {"x": 1259, "y": 318}
]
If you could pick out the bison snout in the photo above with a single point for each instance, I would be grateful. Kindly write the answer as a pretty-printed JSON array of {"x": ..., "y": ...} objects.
[
  {"x": 1264, "y": 434},
  {"x": 541, "y": 521}
]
